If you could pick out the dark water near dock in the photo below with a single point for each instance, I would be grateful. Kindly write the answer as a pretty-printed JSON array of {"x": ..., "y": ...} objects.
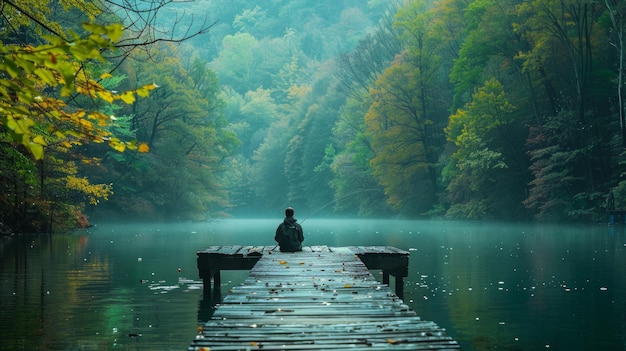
[{"x": 492, "y": 286}]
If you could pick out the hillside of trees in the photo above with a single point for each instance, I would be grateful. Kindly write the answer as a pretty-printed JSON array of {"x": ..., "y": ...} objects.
[{"x": 511, "y": 110}]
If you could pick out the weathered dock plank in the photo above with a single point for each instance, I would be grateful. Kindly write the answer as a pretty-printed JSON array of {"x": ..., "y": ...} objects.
[{"x": 318, "y": 299}]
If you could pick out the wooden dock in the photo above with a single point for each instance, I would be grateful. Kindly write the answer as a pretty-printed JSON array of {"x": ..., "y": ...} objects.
[
  {"x": 214, "y": 259},
  {"x": 320, "y": 299}
]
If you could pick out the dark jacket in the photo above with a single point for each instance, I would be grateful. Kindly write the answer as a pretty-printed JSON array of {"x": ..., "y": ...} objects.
[{"x": 289, "y": 235}]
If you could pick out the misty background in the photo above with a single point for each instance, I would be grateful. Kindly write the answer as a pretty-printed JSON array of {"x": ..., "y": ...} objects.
[{"x": 416, "y": 109}]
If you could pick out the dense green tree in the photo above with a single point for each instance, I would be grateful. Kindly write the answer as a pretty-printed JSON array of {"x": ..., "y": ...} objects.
[
  {"x": 476, "y": 161},
  {"x": 356, "y": 189},
  {"x": 564, "y": 54},
  {"x": 183, "y": 125},
  {"x": 257, "y": 113},
  {"x": 236, "y": 64}
]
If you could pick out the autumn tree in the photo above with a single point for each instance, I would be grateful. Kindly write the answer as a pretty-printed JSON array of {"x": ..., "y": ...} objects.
[
  {"x": 407, "y": 115},
  {"x": 38, "y": 81},
  {"x": 397, "y": 126},
  {"x": 54, "y": 97}
]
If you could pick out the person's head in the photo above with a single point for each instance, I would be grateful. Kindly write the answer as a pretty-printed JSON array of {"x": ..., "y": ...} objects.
[{"x": 289, "y": 212}]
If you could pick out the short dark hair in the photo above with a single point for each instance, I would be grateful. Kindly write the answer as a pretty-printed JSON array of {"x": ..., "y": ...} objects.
[{"x": 289, "y": 212}]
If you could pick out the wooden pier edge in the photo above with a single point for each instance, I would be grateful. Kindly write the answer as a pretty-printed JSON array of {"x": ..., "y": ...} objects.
[{"x": 214, "y": 259}]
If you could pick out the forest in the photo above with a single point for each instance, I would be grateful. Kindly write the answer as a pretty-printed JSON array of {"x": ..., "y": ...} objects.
[{"x": 195, "y": 110}]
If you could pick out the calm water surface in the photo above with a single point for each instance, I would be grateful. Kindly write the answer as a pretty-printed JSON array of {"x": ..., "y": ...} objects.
[{"x": 492, "y": 286}]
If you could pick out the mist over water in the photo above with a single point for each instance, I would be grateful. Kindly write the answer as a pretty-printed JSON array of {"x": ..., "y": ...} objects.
[{"x": 491, "y": 285}]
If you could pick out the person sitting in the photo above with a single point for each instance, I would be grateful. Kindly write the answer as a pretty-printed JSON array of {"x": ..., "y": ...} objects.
[{"x": 289, "y": 234}]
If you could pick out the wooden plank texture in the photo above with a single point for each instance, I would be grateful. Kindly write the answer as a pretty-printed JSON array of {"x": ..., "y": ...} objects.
[{"x": 318, "y": 299}]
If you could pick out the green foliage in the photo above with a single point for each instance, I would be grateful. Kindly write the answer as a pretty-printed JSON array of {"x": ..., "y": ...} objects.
[
  {"x": 356, "y": 189},
  {"x": 468, "y": 109},
  {"x": 236, "y": 61},
  {"x": 558, "y": 186},
  {"x": 37, "y": 89},
  {"x": 181, "y": 178},
  {"x": 397, "y": 125},
  {"x": 477, "y": 131},
  {"x": 30, "y": 71}
]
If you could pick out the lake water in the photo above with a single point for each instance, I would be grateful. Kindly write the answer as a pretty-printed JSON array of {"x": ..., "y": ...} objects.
[{"x": 492, "y": 286}]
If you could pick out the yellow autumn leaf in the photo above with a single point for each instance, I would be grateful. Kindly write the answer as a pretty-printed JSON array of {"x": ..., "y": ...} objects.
[
  {"x": 128, "y": 97},
  {"x": 36, "y": 150},
  {"x": 143, "y": 147},
  {"x": 106, "y": 75},
  {"x": 40, "y": 140},
  {"x": 85, "y": 123},
  {"x": 282, "y": 262},
  {"x": 117, "y": 145},
  {"x": 14, "y": 126},
  {"x": 106, "y": 96},
  {"x": 144, "y": 91}
]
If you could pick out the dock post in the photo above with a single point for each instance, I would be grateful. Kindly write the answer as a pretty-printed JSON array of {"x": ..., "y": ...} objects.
[
  {"x": 206, "y": 286},
  {"x": 400, "y": 287},
  {"x": 217, "y": 280}
]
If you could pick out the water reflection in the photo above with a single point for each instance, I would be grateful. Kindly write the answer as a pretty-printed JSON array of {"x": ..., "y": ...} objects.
[
  {"x": 524, "y": 287},
  {"x": 493, "y": 286}
]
